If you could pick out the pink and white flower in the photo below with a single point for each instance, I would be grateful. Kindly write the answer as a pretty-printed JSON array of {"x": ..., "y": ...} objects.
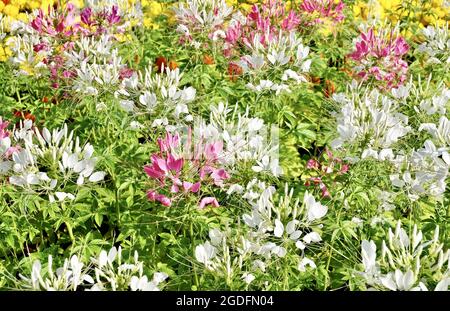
[{"x": 379, "y": 56}]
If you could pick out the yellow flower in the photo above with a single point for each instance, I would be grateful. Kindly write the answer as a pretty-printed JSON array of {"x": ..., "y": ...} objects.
[
  {"x": 155, "y": 8},
  {"x": 429, "y": 19},
  {"x": 2, "y": 5},
  {"x": 23, "y": 17},
  {"x": 288, "y": 6},
  {"x": 441, "y": 23},
  {"x": 33, "y": 4},
  {"x": 123, "y": 37},
  {"x": 152, "y": 9},
  {"x": 389, "y": 4},
  {"x": 5, "y": 53},
  {"x": 407, "y": 33},
  {"x": 170, "y": 16},
  {"x": 46, "y": 3},
  {"x": 148, "y": 23},
  {"x": 437, "y": 3},
  {"x": 377, "y": 12},
  {"x": 420, "y": 14},
  {"x": 442, "y": 13},
  {"x": 27, "y": 68},
  {"x": 77, "y": 3},
  {"x": 326, "y": 28},
  {"x": 11, "y": 10},
  {"x": 18, "y": 3},
  {"x": 246, "y": 7},
  {"x": 360, "y": 10}
]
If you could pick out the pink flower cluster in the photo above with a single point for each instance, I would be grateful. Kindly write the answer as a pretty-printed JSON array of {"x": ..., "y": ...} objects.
[
  {"x": 266, "y": 22},
  {"x": 63, "y": 22},
  {"x": 318, "y": 11},
  {"x": 327, "y": 169},
  {"x": 4, "y": 133},
  {"x": 180, "y": 172},
  {"x": 57, "y": 28},
  {"x": 379, "y": 56}
]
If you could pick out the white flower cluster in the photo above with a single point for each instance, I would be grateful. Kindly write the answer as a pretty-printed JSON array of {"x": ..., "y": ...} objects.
[
  {"x": 439, "y": 133},
  {"x": 372, "y": 124},
  {"x": 113, "y": 274},
  {"x": 69, "y": 277},
  {"x": 97, "y": 65},
  {"x": 198, "y": 16},
  {"x": 424, "y": 172},
  {"x": 273, "y": 230},
  {"x": 424, "y": 98},
  {"x": 224, "y": 254},
  {"x": 277, "y": 226},
  {"x": 48, "y": 162},
  {"x": 107, "y": 272},
  {"x": 21, "y": 40},
  {"x": 369, "y": 120},
  {"x": 403, "y": 259},
  {"x": 284, "y": 59},
  {"x": 436, "y": 45},
  {"x": 153, "y": 92},
  {"x": 245, "y": 139}
]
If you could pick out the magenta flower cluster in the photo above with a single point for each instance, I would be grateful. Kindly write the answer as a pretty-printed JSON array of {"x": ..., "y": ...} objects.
[
  {"x": 64, "y": 22},
  {"x": 180, "y": 171},
  {"x": 265, "y": 22},
  {"x": 318, "y": 11},
  {"x": 379, "y": 56}
]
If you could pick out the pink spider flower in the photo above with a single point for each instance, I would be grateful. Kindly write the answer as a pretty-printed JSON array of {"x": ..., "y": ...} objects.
[
  {"x": 86, "y": 16},
  {"x": 379, "y": 56},
  {"x": 154, "y": 196},
  {"x": 264, "y": 24},
  {"x": 233, "y": 33},
  {"x": 321, "y": 10},
  {"x": 125, "y": 73},
  {"x": 55, "y": 22},
  {"x": 291, "y": 21},
  {"x": 178, "y": 173},
  {"x": 258, "y": 24},
  {"x": 4, "y": 133},
  {"x": 270, "y": 20},
  {"x": 170, "y": 142},
  {"x": 113, "y": 17},
  {"x": 164, "y": 167},
  {"x": 40, "y": 47},
  {"x": 208, "y": 201},
  {"x": 274, "y": 8},
  {"x": 312, "y": 164}
]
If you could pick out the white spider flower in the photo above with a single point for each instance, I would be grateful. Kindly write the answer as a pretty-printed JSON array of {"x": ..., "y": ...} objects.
[{"x": 403, "y": 261}]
